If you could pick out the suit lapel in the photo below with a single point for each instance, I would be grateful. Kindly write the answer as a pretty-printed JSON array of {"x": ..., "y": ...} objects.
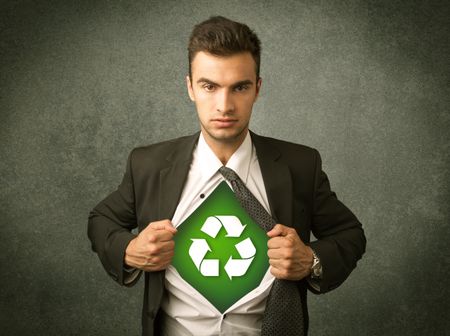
[
  {"x": 173, "y": 178},
  {"x": 277, "y": 179},
  {"x": 276, "y": 176}
]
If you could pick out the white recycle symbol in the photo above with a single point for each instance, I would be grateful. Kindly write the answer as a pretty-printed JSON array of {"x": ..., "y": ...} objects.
[{"x": 233, "y": 267}]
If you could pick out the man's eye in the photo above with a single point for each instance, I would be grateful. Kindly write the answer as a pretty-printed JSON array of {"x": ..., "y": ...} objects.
[
  {"x": 208, "y": 87},
  {"x": 241, "y": 88}
]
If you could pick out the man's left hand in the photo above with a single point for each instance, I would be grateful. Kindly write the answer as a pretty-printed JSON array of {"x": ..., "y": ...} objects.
[{"x": 289, "y": 257}]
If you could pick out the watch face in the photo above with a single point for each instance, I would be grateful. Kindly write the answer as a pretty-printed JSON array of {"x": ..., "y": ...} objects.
[
  {"x": 316, "y": 268},
  {"x": 316, "y": 272}
]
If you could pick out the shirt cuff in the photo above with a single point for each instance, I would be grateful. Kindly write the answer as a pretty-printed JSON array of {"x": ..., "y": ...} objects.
[
  {"x": 314, "y": 283},
  {"x": 130, "y": 274}
]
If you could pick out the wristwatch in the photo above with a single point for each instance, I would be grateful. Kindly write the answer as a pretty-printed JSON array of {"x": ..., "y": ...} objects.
[{"x": 316, "y": 269}]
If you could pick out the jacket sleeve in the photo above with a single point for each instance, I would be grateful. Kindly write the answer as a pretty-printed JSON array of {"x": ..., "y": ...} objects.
[
  {"x": 110, "y": 224},
  {"x": 340, "y": 238}
]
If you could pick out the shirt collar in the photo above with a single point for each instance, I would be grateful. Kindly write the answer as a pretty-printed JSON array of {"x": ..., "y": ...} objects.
[
  {"x": 240, "y": 160},
  {"x": 209, "y": 164}
]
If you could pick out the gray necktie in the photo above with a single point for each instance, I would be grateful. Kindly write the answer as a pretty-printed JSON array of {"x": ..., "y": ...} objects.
[{"x": 283, "y": 315}]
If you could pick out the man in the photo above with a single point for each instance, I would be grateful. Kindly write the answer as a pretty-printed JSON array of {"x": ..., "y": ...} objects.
[{"x": 165, "y": 182}]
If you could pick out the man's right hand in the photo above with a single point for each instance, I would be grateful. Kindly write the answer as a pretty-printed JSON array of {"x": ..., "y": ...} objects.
[{"x": 153, "y": 248}]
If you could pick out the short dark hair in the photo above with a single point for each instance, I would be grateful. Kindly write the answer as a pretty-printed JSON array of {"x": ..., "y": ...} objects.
[{"x": 223, "y": 37}]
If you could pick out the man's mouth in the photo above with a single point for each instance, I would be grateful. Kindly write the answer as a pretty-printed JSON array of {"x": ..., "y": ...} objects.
[{"x": 224, "y": 122}]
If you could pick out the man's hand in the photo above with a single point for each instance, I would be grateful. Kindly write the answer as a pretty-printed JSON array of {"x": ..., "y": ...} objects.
[
  {"x": 289, "y": 257},
  {"x": 153, "y": 248}
]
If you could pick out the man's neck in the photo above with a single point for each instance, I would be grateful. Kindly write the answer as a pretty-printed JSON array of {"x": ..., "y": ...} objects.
[{"x": 224, "y": 149}]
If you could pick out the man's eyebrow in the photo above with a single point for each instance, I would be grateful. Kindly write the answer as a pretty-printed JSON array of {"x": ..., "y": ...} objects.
[
  {"x": 240, "y": 83},
  {"x": 206, "y": 80}
]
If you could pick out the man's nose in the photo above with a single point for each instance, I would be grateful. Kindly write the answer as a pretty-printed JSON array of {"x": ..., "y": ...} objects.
[{"x": 225, "y": 102}]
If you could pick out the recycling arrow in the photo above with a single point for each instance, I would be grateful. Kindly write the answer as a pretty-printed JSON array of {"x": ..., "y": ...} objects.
[
  {"x": 200, "y": 248},
  {"x": 238, "y": 267},
  {"x": 198, "y": 251},
  {"x": 232, "y": 226},
  {"x": 246, "y": 248}
]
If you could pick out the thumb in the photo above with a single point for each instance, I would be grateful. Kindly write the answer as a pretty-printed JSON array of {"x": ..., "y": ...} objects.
[
  {"x": 163, "y": 225},
  {"x": 278, "y": 230}
]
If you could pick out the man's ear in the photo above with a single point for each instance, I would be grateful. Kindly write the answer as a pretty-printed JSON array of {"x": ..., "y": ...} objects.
[
  {"x": 189, "y": 87},
  {"x": 258, "y": 87}
]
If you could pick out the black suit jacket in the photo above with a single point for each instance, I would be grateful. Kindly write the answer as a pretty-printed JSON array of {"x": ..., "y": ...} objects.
[{"x": 297, "y": 189}]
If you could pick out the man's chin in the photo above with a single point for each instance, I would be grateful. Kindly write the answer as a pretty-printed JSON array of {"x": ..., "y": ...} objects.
[{"x": 227, "y": 136}]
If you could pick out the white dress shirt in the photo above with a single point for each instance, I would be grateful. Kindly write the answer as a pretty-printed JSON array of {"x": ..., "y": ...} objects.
[{"x": 187, "y": 312}]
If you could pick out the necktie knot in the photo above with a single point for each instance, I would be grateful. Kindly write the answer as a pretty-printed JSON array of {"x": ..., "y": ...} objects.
[{"x": 228, "y": 173}]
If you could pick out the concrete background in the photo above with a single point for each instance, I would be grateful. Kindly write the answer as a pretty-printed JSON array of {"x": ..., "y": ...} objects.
[{"x": 83, "y": 82}]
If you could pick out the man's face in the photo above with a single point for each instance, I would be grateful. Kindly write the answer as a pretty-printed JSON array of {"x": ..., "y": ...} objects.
[{"x": 224, "y": 90}]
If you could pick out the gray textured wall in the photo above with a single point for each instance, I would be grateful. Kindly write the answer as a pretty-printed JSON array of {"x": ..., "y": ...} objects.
[{"x": 83, "y": 82}]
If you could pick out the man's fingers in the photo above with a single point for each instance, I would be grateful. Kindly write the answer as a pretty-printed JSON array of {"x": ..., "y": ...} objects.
[
  {"x": 162, "y": 225},
  {"x": 159, "y": 236},
  {"x": 280, "y": 273},
  {"x": 279, "y": 242},
  {"x": 164, "y": 247},
  {"x": 279, "y": 253},
  {"x": 147, "y": 261},
  {"x": 155, "y": 267},
  {"x": 279, "y": 230},
  {"x": 276, "y": 231},
  {"x": 163, "y": 254},
  {"x": 153, "y": 248},
  {"x": 157, "y": 249}
]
